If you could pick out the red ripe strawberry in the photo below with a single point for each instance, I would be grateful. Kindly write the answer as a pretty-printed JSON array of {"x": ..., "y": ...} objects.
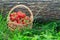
[
  {"x": 18, "y": 21},
  {"x": 12, "y": 18},
  {"x": 19, "y": 14},
  {"x": 17, "y": 18},
  {"x": 23, "y": 15},
  {"x": 11, "y": 15}
]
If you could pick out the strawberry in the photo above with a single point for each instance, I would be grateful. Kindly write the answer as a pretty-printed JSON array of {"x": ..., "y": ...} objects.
[
  {"x": 12, "y": 18},
  {"x": 20, "y": 14},
  {"x": 17, "y": 18},
  {"x": 23, "y": 15},
  {"x": 18, "y": 21},
  {"x": 11, "y": 15}
]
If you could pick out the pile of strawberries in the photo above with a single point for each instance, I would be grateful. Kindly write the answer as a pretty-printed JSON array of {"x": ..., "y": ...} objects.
[{"x": 19, "y": 17}]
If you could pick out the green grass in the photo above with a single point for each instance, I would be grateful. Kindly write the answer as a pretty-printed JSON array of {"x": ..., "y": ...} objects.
[{"x": 44, "y": 31}]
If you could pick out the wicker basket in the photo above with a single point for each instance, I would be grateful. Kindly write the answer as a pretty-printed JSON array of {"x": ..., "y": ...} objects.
[{"x": 13, "y": 25}]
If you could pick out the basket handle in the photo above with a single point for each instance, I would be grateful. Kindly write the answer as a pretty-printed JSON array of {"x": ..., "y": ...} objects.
[{"x": 31, "y": 17}]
